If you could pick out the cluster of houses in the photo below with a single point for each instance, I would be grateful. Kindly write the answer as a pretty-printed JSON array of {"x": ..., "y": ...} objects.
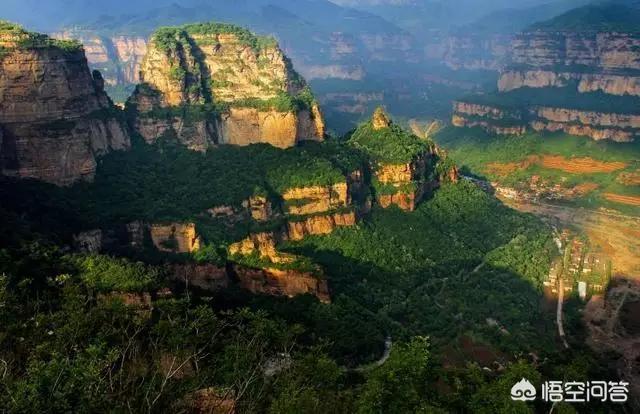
[{"x": 580, "y": 269}]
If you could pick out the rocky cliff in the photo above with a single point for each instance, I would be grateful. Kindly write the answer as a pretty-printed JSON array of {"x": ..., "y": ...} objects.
[
  {"x": 578, "y": 73},
  {"x": 117, "y": 57},
  {"x": 600, "y": 50},
  {"x": 218, "y": 84},
  {"x": 403, "y": 166},
  {"x": 510, "y": 121},
  {"x": 471, "y": 51},
  {"x": 590, "y": 61},
  {"x": 55, "y": 119},
  {"x": 609, "y": 83}
]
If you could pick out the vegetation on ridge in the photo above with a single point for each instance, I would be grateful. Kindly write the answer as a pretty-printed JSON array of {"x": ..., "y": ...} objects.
[
  {"x": 167, "y": 38},
  {"x": 594, "y": 18},
  {"x": 391, "y": 145},
  {"x": 31, "y": 40}
]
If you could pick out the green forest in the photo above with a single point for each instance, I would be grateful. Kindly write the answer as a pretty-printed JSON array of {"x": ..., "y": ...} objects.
[{"x": 458, "y": 277}]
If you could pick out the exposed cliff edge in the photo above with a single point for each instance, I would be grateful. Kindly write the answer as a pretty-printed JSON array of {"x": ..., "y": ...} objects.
[
  {"x": 211, "y": 84},
  {"x": 403, "y": 166},
  {"x": 512, "y": 121},
  {"x": 578, "y": 73},
  {"x": 117, "y": 57},
  {"x": 55, "y": 118}
]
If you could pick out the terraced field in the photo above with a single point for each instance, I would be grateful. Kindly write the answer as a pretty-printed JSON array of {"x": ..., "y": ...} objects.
[{"x": 552, "y": 167}]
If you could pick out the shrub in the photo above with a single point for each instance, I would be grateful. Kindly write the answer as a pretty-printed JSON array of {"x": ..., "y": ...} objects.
[{"x": 107, "y": 274}]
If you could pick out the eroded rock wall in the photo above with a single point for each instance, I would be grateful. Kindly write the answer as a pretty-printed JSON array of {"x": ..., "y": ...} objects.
[
  {"x": 243, "y": 92},
  {"x": 54, "y": 115},
  {"x": 594, "y": 124}
]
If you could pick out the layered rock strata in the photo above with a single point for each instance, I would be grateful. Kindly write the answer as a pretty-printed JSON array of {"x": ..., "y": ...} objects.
[
  {"x": 55, "y": 119},
  {"x": 217, "y": 84},
  {"x": 593, "y": 124},
  {"x": 118, "y": 57}
]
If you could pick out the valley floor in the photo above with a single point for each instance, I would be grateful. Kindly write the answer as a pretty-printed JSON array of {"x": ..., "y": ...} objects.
[{"x": 617, "y": 235}]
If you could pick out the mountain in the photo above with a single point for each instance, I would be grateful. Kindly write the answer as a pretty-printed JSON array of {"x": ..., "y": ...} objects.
[
  {"x": 327, "y": 43},
  {"x": 214, "y": 83},
  {"x": 578, "y": 72},
  {"x": 606, "y": 17},
  {"x": 232, "y": 258},
  {"x": 55, "y": 118}
]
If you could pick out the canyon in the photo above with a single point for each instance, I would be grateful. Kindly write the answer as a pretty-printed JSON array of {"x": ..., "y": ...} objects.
[{"x": 580, "y": 81}]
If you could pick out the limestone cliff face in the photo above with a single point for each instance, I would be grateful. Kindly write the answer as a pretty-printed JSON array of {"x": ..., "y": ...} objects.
[
  {"x": 606, "y": 51},
  {"x": 272, "y": 280},
  {"x": 175, "y": 237},
  {"x": 313, "y": 200},
  {"x": 130, "y": 51},
  {"x": 207, "y": 277},
  {"x": 587, "y": 82},
  {"x": 287, "y": 283},
  {"x": 243, "y": 88},
  {"x": 407, "y": 180},
  {"x": 268, "y": 281},
  {"x": 245, "y": 126},
  {"x": 55, "y": 118},
  {"x": 473, "y": 52},
  {"x": 319, "y": 225},
  {"x": 593, "y": 124},
  {"x": 403, "y": 167},
  {"x": 118, "y": 57},
  {"x": 594, "y": 61}
]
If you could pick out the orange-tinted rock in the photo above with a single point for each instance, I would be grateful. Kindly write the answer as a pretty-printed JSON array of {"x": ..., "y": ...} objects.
[
  {"x": 319, "y": 225},
  {"x": 405, "y": 201},
  {"x": 262, "y": 243},
  {"x": 207, "y": 277},
  {"x": 223, "y": 68},
  {"x": 175, "y": 237},
  {"x": 287, "y": 283},
  {"x": 380, "y": 119},
  {"x": 55, "y": 119},
  {"x": 316, "y": 199}
]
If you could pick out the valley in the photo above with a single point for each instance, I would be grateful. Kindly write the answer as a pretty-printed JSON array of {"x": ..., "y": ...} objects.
[{"x": 353, "y": 206}]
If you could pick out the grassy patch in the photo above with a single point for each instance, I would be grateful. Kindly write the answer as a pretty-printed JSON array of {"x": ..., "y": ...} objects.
[{"x": 561, "y": 159}]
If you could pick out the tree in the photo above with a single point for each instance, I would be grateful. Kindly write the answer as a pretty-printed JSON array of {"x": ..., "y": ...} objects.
[{"x": 400, "y": 385}]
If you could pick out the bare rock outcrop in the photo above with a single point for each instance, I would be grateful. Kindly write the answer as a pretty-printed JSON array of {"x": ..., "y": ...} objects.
[
  {"x": 218, "y": 84},
  {"x": 404, "y": 167},
  {"x": 597, "y": 125},
  {"x": 55, "y": 119},
  {"x": 118, "y": 57},
  {"x": 175, "y": 237},
  {"x": 289, "y": 283}
]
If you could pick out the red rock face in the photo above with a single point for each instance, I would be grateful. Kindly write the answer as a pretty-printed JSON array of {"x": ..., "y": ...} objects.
[
  {"x": 288, "y": 283},
  {"x": 55, "y": 119}
]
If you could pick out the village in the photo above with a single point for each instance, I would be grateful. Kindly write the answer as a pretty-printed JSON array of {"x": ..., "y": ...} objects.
[{"x": 581, "y": 268}]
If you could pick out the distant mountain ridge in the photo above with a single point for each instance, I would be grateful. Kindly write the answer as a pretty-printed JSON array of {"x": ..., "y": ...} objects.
[{"x": 605, "y": 17}]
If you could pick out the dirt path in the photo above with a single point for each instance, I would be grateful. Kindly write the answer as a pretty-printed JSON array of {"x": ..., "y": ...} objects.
[{"x": 388, "y": 344}]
